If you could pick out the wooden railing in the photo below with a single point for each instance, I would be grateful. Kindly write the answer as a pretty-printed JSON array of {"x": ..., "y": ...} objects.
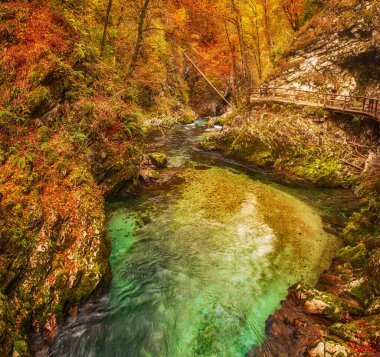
[{"x": 369, "y": 107}]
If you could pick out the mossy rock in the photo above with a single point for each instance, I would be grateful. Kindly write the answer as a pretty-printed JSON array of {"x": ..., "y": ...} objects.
[
  {"x": 319, "y": 171},
  {"x": 2, "y": 154},
  {"x": 158, "y": 159},
  {"x": 357, "y": 255},
  {"x": 364, "y": 332},
  {"x": 374, "y": 307},
  {"x": 36, "y": 98},
  {"x": 330, "y": 348},
  {"x": 373, "y": 271},
  {"x": 187, "y": 116},
  {"x": 361, "y": 292},
  {"x": 262, "y": 159},
  {"x": 318, "y": 302},
  {"x": 155, "y": 174},
  {"x": 6, "y": 327}
]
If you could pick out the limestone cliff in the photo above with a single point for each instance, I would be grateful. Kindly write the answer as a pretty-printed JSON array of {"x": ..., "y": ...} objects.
[{"x": 338, "y": 51}]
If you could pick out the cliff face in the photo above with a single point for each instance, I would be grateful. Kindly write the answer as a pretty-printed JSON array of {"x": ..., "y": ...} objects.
[
  {"x": 65, "y": 144},
  {"x": 338, "y": 51}
]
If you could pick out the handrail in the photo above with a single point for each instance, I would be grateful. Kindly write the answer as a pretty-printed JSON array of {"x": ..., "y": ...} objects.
[{"x": 353, "y": 104}]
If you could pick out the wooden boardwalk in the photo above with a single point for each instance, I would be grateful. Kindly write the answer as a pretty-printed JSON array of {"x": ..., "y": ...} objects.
[{"x": 350, "y": 104}]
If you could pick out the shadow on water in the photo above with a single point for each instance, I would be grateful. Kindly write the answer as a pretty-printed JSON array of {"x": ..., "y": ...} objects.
[{"x": 201, "y": 258}]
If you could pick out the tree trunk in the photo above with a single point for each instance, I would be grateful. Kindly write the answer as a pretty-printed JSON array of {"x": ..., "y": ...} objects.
[
  {"x": 106, "y": 22},
  {"x": 256, "y": 41},
  {"x": 139, "y": 38},
  {"x": 244, "y": 57},
  {"x": 292, "y": 10},
  {"x": 235, "y": 92},
  {"x": 267, "y": 26}
]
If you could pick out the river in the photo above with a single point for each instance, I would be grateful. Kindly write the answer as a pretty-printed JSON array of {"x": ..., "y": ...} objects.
[{"x": 201, "y": 258}]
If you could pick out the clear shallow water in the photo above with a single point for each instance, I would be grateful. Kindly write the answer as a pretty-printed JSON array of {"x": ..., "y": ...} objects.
[{"x": 200, "y": 260}]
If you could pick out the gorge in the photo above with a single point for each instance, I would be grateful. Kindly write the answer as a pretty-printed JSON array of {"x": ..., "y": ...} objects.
[{"x": 141, "y": 215}]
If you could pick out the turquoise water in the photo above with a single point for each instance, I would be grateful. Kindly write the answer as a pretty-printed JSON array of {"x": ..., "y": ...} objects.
[{"x": 199, "y": 260}]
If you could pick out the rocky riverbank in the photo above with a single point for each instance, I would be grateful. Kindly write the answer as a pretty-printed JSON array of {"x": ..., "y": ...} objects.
[
  {"x": 300, "y": 144},
  {"x": 341, "y": 316}
]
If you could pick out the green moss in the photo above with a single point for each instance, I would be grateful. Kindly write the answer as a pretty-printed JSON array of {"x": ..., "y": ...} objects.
[
  {"x": 154, "y": 174},
  {"x": 356, "y": 310},
  {"x": 129, "y": 94},
  {"x": 374, "y": 307},
  {"x": 361, "y": 292},
  {"x": 187, "y": 116},
  {"x": 364, "y": 223},
  {"x": 43, "y": 134},
  {"x": 323, "y": 303},
  {"x": 355, "y": 255},
  {"x": 318, "y": 112},
  {"x": 2, "y": 154},
  {"x": 308, "y": 164},
  {"x": 262, "y": 159},
  {"x": 158, "y": 159},
  {"x": 363, "y": 332},
  {"x": 21, "y": 347},
  {"x": 372, "y": 271},
  {"x": 6, "y": 326},
  {"x": 36, "y": 98}
]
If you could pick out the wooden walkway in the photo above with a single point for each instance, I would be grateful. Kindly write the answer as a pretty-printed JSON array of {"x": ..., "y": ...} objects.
[{"x": 364, "y": 106}]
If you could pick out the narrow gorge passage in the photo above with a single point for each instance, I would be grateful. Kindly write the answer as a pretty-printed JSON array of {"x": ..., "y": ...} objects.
[{"x": 200, "y": 259}]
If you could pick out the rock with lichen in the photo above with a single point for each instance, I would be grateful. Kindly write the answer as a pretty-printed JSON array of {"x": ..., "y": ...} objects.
[
  {"x": 158, "y": 159},
  {"x": 322, "y": 303},
  {"x": 330, "y": 349},
  {"x": 357, "y": 255},
  {"x": 374, "y": 307},
  {"x": 363, "y": 332}
]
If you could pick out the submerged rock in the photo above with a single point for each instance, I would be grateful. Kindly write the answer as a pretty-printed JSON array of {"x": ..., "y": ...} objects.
[
  {"x": 147, "y": 175},
  {"x": 158, "y": 159}
]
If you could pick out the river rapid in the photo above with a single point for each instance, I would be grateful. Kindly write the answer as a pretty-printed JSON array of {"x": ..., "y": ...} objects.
[{"x": 201, "y": 258}]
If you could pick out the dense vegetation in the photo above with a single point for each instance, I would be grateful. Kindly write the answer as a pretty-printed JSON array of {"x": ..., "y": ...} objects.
[{"x": 81, "y": 82}]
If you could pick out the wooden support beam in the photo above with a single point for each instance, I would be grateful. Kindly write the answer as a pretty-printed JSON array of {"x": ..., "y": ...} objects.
[{"x": 208, "y": 81}]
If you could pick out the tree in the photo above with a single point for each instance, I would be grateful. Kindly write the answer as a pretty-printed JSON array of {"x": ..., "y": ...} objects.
[
  {"x": 267, "y": 24},
  {"x": 238, "y": 22},
  {"x": 256, "y": 38},
  {"x": 140, "y": 32},
  {"x": 106, "y": 23},
  {"x": 293, "y": 11}
]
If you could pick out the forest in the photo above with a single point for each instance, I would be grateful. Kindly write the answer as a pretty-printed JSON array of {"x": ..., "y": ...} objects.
[{"x": 189, "y": 178}]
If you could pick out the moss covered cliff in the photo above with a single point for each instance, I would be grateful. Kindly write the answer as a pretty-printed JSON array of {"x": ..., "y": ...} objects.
[{"x": 70, "y": 135}]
